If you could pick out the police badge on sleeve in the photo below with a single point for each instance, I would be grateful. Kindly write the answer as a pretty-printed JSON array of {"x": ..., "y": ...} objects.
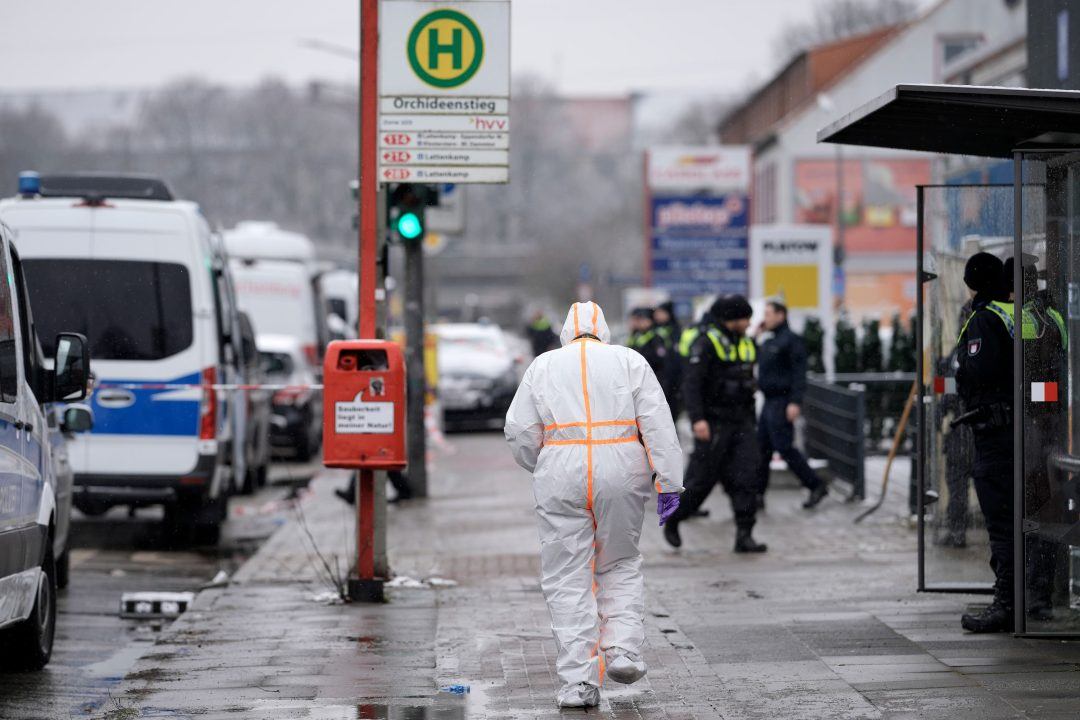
[{"x": 974, "y": 346}]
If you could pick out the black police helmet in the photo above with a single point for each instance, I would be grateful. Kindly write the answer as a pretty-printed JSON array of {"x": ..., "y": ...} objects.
[
  {"x": 642, "y": 312},
  {"x": 731, "y": 307},
  {"x": 983, "y": 272}
]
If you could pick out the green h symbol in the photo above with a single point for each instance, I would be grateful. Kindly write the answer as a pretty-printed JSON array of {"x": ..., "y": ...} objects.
[{"x": 455, "y": 48}]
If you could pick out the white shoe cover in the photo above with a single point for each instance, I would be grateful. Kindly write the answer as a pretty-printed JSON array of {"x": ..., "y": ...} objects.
[
  {"x": 580, "y": 695},
  {"x": 625, "y": 667}
]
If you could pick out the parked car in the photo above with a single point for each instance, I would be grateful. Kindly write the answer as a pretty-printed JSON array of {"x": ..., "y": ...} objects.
[
  {"x": 257, "y": 402},
  {"x": 35, "y": 485},
  {"x": 479, "y": 372},
  {"x": 296, "y": 424},
  {"x": 138, "y": 272}
]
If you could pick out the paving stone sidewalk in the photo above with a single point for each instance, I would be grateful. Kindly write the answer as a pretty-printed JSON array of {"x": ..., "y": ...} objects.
[{"x": 826, "y": 625}]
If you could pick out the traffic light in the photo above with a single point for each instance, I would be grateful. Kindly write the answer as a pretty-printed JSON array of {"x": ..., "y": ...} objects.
[{"x": 406, "y": 211}]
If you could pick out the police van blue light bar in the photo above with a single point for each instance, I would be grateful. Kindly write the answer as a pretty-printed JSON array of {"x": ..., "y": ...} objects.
[{"x": 29, "y": 183}]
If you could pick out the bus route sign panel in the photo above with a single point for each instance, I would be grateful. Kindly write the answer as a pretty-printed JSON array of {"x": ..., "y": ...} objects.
[{"x": 444, "y": 83}]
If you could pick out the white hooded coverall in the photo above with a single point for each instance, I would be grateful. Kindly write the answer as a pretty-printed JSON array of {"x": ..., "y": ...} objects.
[{"x": 590, "y": 421}]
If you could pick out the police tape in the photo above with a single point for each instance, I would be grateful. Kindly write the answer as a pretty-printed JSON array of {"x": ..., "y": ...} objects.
[{"x": 200, "y": 386}]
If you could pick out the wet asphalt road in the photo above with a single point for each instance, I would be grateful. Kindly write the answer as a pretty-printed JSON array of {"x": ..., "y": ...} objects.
[{"x": 114, "y": 554}]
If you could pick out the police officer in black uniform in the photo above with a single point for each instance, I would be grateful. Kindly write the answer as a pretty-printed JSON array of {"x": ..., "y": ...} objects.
[
  {"x": 782, "y": 378},
  {"x": 984, "y": 381},
  {"x": 647, "y": 341},
  {"x": 669, "y": 330},
  {"x": 718, "y": 390}
]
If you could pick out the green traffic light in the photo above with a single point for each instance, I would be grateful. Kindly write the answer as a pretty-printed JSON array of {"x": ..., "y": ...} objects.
[{"x": 409, "y": 226}]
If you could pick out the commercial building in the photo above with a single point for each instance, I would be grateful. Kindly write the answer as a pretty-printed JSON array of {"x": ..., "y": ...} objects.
[{"x": 867, "y": 194}]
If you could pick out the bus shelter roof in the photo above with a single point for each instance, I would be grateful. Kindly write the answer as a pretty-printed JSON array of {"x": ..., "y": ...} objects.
[{"x": 963, "y": 120}]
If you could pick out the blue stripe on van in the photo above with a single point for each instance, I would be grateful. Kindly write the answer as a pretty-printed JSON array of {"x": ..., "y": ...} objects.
[{"x": 149, "y": 416}]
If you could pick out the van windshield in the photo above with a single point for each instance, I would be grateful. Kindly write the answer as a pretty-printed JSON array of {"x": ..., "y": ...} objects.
[{"x": 128, "y": 310}]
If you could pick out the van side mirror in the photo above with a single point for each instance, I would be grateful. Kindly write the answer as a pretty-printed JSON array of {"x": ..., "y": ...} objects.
[
  {"x": 71, "y": 373},
  {"x": 76, "y": 418}
]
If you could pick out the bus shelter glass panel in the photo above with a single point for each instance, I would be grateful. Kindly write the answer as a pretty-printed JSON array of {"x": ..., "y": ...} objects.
[
  {"x": 1047, "y": 290},
  {"x": 957, "y": 221}
]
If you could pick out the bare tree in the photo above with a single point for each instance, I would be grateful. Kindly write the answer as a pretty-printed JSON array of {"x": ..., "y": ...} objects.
[
  {"x": 696, "y": 125},
  {"x": 30, "y": 139},
  {"x": 838, "y": 19},
  {"x": 569, "y": 208}
]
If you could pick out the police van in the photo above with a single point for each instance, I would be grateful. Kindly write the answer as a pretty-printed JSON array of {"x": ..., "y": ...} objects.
[
  {"x": 278, "y": 284},
  {"x": 140, "y": 274},
  {"x": 34, "y": 492}
]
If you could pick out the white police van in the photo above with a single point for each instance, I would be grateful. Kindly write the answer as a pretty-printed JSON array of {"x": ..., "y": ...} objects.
[
  {"x": 278, "y": 284},
  {"x": 34, "y": 497},
  {"x": 118, "y": 259}
]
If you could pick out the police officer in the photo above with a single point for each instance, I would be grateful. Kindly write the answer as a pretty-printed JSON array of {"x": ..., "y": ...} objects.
[
  {"x": 667, "y": 327},
  {"x": 645, "y": 339},
  {"x": 984, "y": 382},
  {"x": 719, "y": 395},
  {"x": 782, "y": 378},
  {"x": 541, "y": 337},
  {"x": 1045, "y": 345}
]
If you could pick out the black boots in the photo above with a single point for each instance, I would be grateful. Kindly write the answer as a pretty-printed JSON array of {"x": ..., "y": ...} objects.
[
  {"x": 816, "y": 496},
  {"x": 997, "y": 617},
  {"x": 745, "y": 543},
  {"x": 671, "y": 533}
]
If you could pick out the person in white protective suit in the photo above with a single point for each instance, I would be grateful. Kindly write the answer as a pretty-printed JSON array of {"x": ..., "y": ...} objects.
[{"x": 590, "y": 421}]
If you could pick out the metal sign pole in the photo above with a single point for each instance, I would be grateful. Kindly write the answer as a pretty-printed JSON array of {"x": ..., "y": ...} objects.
[
  {"x": 416, "y": 443},
  {"x": 365, "y": 586}
]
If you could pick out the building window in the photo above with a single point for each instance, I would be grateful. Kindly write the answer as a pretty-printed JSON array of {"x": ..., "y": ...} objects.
[{"x": 951, "y": 47}]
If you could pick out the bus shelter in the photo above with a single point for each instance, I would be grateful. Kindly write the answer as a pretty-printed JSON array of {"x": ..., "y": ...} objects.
[{"x": 1036, "y": 218}]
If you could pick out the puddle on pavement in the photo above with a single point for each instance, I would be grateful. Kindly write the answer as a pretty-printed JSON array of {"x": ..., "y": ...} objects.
[
  {"x": 113, "y": 668},
  {"x": 406, "y": 712},
  {"x": 438, "y": 710}
]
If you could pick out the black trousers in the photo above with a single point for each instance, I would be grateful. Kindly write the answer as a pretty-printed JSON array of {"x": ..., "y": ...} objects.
[
  {"x": 730, "y": 457},
  {"x": 957, "y": 447},
  {"x": 776, "y": 434},
  {"x": 992, "y": 473}
]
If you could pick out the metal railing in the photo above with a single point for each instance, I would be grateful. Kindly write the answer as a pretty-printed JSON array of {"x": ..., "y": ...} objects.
[{"x": 835, "y": 430}]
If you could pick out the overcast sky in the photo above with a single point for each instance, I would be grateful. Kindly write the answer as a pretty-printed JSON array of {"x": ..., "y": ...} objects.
[{"x": 582, "y": 46}]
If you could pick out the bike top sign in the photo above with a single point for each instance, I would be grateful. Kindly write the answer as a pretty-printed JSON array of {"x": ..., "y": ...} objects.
[{"x": 441, "y": 49}]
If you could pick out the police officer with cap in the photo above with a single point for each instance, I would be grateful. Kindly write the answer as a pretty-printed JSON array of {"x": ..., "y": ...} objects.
[
  {"x": 718, "y": 391},
  {"x": 984, "y": 382},
  {"x": 647, "y": 341}
]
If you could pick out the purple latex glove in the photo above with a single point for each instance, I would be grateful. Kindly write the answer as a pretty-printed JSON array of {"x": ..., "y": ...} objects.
[{"x": 666, "y": 505}]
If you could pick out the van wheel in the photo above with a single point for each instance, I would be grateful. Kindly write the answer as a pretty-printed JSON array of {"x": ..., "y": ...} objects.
[
  {"x": 63, "y": 570},
  {"x": 92, "y": 508},
  {"x": 207, "y": 534},
  {"x": 250, "y": 483},
  {"x": 304, "y": 449},
  {"x": 194, "y": 521},
  {"x": 177, "y": 524},
  {"x": 30, "y": 642},
  {"x": 208, "y": 520}
]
